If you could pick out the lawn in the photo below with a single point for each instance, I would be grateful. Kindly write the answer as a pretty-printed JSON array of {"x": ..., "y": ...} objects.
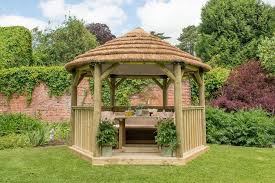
[{"x": 58, "y": 164}]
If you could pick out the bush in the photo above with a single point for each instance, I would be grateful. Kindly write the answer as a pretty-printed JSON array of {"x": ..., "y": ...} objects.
[
  {"x": 242, "y": 128},
  {"x": 214, "y": 81},
  {"x": 13, "y": 141},
  {"x": 249, "y": 86},
  {"x": 61, "y": 132},
  {"x": 15, "y": 47},
  {"x": 107, "y": 134},
  {"x": 166, "y": 134},
  {"x": 39, "y": 137},
  {"x": 18, "y": 123}
]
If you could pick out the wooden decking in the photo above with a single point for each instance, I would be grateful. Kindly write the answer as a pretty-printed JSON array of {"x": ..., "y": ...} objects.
[{"x": 139, "y": 155}]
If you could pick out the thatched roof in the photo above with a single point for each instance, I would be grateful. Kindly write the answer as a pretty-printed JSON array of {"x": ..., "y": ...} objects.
[{"x": 136, "y": 46}]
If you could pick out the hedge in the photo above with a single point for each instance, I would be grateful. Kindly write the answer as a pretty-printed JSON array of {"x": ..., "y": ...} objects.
[
  {"x": 243, "y": 128},
  {"x": 15, "y": 47}
]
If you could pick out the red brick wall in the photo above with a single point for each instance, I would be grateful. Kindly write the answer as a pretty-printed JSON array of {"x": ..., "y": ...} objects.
[{"x": 58, "y": 108}]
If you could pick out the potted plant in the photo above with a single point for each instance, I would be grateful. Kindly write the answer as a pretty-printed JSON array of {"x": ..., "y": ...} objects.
[
  {"x": 166, "y": 136},
  {"x": 106, "y": 137},
  {"x": 129, "y": 112},
  {"x": 138, "y": 111}
]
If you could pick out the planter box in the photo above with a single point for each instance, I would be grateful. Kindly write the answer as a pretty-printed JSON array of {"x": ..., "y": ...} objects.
[
  {"x": 166, "y": 151},
  {"x": 106, "y": 151}
]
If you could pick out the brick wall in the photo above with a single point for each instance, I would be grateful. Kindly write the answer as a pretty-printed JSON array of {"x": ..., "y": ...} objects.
[{"x": 58, "y": 108}]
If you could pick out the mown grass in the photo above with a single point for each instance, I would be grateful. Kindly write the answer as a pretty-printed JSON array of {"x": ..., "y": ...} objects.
[{"x": 58, "y": 164}]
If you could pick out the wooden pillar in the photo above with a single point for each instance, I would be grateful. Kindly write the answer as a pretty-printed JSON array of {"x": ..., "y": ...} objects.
[
  {"x": 164, "y": 93},
  {"x": 202, "y": 103},
  {"x": 73, "y": 103},
  {"x": 97, "y": 107},
  {"x": 113, "y": 89},
  {"x": 178, "y": 106},
  {"x": 121, "y": 134}
]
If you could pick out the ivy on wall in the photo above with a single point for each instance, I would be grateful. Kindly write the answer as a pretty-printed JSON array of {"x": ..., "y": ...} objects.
[{"x": 25, "y": 79}]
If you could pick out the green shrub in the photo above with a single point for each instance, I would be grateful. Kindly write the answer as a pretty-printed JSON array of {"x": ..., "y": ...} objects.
[
  {"x": 242, "y": 128},
  {"x": 61, "y": 131},
  {"x": 18, "y": 123},
  {"x": 214, "y": 80},
  {"x": 166, "y": 134},
  {"x": 15, "y": 47},
  {"x": 40, "y": 136},
  {"x": 14, "y": 141},
  {"x": 107, "y": 134}
]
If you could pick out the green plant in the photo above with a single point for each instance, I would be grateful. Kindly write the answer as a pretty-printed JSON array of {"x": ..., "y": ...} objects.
[
  {"x": 166, "y": 134},
  {"x": 107, "y": 134},
  {"x": 40, "y": 136},
  {"x": 14, "y": 141},
  {"x": 15, "y": 47},
  {"x": 243, "y": 128},
  {"x": 61, "y": 131},
  {"x": 140, "y": 107},
  {"x": 267, "y": 54},
  {"x": 18, "y": 123}
]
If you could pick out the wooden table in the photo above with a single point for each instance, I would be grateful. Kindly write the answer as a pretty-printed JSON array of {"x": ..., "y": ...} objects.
[{"x": 122, "y": 133}]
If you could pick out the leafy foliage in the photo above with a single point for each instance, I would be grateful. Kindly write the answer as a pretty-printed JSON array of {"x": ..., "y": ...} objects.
[
  {"x": 15, "y": 47},
  {"x": 14, "y": 141},
  {"x": 166, "y": 133},
  {"x": 231, "y": 30},
  {"x": 249, "y": 86},
  {"x": 40, "y": 136},
  {"x": 61, "y": 132},
  {"x": 107, "y": 134},
  {"x": 267, "y": 54},
  {"x": 59, "y": 46},
  {"x": 25, "y": 79},
  {"x": 243, "y": 128},
  {"x": 214, "y": 81},
  {"x": 101, "y": 31},
  {"x": 159, "y": 35},
  {"x": 188, "y": 39},
  {"x": 18, "y": 124}
]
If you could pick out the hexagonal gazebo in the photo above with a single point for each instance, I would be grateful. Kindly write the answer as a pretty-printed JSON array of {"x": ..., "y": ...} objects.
[{"x": 137, "y": 54}]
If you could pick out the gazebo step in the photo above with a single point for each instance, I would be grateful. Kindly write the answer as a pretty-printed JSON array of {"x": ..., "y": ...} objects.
[{"x": 140, "y": 148}]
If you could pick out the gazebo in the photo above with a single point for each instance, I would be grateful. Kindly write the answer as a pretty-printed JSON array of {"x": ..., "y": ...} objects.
[{"x": 137, "y": 55}]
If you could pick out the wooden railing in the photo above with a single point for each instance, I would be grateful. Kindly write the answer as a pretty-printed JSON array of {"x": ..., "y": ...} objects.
[
  {"x": 83, "y": 127},
  {"x": 193, "y": 126}
]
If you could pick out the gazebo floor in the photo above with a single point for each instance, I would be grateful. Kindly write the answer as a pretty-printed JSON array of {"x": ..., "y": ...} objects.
[{"x": 140, "y": 155}]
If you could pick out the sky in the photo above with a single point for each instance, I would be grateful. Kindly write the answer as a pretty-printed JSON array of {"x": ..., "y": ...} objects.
[{"x": 167, "y": 16}]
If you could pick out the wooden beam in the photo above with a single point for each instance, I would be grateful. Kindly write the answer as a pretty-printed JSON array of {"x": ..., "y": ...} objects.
[
  {"x": 97, "y": 107},
  {"x": 170, "y": 81},
  {"x": 198, "y": 78},
  {"x": 157, "y": 82},
  {"x": 191, "y": 68},
  {"x": 139, "y": 76},
  {"x": 108, "y": 71},
  {"x": 178, "y": 107},
  {"x": 73, "y": 103},
  {"x": 119, "y": 82},
  {"x": 164, "y": 93},
  {"x": 202, "y": 103},
  {"x": 76, "y": 78},
  {"x": 167, "y": 71}
]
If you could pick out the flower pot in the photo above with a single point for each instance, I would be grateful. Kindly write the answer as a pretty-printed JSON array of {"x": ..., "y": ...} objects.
[
  {"x": 106, "y": 150},
  {"x": 167, "y": 151},
  {"x": 138, "y": 112}
]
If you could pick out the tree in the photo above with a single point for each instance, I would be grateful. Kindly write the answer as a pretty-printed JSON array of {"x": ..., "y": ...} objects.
[
  {"x": 59, "y": 46},
  {"x": 267, "y": 54},
  {"x": 245, "y": 92},
  {"x": 159, "y": 35},
  {"x": 231, "y": 30},
  {"x": 101, "y": 31},
  {"x": 188, "y": 39}
]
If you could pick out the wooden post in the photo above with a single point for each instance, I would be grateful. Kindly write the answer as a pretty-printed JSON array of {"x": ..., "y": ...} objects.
[
  {"x": 121, "y": 134},
  {"x": 113, "y": 89},
  {"x": 97, "y": 107},
  {"x": 202, "y": 103},
  {"x": 164, "y": 93},
  {"x": 178, "y": 106},
  {"x": 73, "y": 103}
]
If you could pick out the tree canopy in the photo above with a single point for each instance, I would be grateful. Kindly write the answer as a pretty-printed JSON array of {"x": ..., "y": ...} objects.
[
  {"x": 101, "y": 31},
  {"x": 61, "y": 45},
  {"x": 188, "y": 39},
  {"x": 231, "y": 30}
]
